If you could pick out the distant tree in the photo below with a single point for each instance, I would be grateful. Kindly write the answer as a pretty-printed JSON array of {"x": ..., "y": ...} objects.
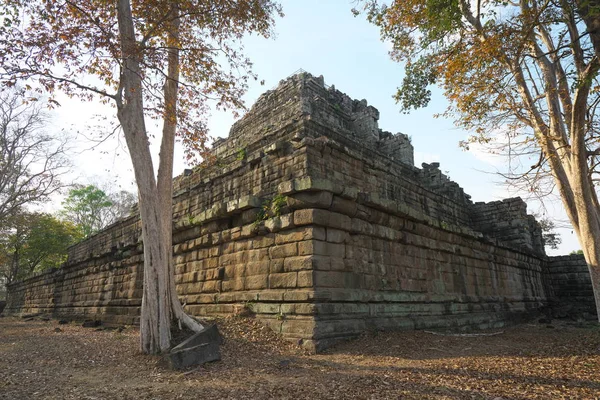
[
  {"x": 89, "y": 208},
  {"x": 576, "y": 252},
  {"x": 123, "y": 203},
  {"x": 526, "y": 70},
  {"x": 47, "y": 241},
  {"x": 31, "y": 161},
  {"x": 34, "y": 242},
  {"x": 551, "y": 238},
  {"x": 157, "y": 59}
]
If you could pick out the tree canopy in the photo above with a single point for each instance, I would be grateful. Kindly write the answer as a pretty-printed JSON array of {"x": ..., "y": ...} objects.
[
  {"x": 34, "y": 242},
  {"x": 78, "y": 48}
]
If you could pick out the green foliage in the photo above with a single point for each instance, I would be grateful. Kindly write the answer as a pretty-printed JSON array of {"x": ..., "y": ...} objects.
[
  {"x": 271, "y": 208},
  {"x": 241, "y": 154},
  {"x": 88, "y": 208},
  {"x": 414, "y": 92},
  {"x": 47, "y": 242},
  {"x": 249, "y": 305},
  {"x": 191, "y": 220},
  {"x": 277, "y": 203},
  {"x": 576, "y": 252},
  {"x": 34, "y": 242},
  {"x": 551, "y": 238}
]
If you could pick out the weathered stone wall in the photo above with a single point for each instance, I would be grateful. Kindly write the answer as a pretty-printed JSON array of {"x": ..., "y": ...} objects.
[
  {"x": 571, "y": 285},
  {"x": 101, "y": 279},
  {"x": 508, "y": 222},
  {"x": 387, "y": 262},
  {"x": 314, "y": 219}
]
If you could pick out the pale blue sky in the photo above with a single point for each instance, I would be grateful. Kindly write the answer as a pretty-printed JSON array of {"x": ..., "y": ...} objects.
[{"x": 324, "y": 38}]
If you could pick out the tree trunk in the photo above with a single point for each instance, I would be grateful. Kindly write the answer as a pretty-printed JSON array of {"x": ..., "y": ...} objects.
[
  {"x": 155, "y": 319},
  {"x": 159, "y": 301},
  {"x": 165, "y": 170}
]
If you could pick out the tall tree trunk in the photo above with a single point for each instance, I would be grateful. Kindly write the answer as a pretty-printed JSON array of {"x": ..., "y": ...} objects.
[
  {"x": 155, "y": 319},
  {"x": 159, "y": 301},
  {"x": 165, "y": 170}
]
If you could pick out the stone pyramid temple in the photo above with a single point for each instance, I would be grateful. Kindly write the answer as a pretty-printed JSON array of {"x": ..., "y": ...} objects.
[{"x": 317, "y": 222}]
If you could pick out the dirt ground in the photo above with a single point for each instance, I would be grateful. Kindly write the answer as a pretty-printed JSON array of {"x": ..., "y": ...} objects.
[{"x": 44, "y": 360}]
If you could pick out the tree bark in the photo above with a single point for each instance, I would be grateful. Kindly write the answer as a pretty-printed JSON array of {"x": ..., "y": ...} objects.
[
  {"x": 155, "y": 319},
  {"x": 165, "y": 170},
  {"x": 160, "y": 304}
]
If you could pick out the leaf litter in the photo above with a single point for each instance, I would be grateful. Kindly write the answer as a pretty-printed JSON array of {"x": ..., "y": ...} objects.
[{"x": 528, "y": 361}]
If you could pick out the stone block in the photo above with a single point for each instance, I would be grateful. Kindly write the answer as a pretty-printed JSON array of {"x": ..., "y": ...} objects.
[
  {"x": 199, "y": 349},
  {"x": 287, "y": 309},
  {"x": 276, "y": 224},
  {"x": 333, "y": 279},
  {"x": 248, "y": 231},
  {"x": 284, "y": 250},
  {"x": 322, "y": 217},
  {"x": 305, "y": 309},
  {"x": 322, "y": 263},
  {"x": 336, "y": 235},
  {"x": 298, "y": 327},
  {"x": 247, "y": 202},
  {"x": 286, "y": 188},
  {"x": 322, "y": 248},
  {"x": 305, "y": 279},
  {"x": 276, "y": 266},
  {"x": 310, "y": 200},
  {"x": 298, "y": 263},
  {"x": 298, "y": 295},
  {"x": 283, "y": 280},
  {"x": 271, "y": 295},
  {"x": 233, "y": 271},
  {"x": 344, "y": 206},
  {"x": 258, "y": 255},
  {"x": 336, "y": 264},
  {"x": 299, "y": 234},
  {"x": 211, "y": 286},
  {"x": 262, "y": 241},
  {"x": 257, "y": 268},
  {"x": 257, "y": 282},
  {"x": 266, "y": 308}
]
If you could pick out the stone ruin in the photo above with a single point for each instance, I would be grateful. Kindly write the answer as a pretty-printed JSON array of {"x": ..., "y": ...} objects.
[{"x": 316, "y": 221}]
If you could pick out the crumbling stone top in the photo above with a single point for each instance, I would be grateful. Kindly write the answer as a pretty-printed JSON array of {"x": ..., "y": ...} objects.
[{"x": 304, "y": 96}]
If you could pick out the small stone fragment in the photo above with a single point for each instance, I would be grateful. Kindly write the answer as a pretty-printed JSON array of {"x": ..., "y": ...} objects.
[{"x": 90, "y": 323}]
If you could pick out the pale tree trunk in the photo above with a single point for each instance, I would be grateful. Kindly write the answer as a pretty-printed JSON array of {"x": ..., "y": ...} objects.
[
  {"x": 159, "y": 302},
  {"x": 165, "y": 170},
  {"x": 155, "y": 319},
  {"x": 587, "y": 222}
]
